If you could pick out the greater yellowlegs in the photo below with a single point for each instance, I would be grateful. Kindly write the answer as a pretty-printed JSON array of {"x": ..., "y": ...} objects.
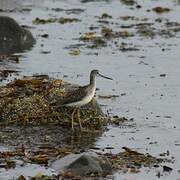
[{"x": 81, "y": 96}]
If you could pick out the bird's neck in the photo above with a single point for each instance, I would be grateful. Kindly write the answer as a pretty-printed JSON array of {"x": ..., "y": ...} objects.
[{"x": 92, "y": 80}]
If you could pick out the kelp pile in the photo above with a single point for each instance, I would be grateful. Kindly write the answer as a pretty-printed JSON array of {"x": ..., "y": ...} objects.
[
  {"x": 133, "y": 161},
  {"x": 31, "y": 101}
]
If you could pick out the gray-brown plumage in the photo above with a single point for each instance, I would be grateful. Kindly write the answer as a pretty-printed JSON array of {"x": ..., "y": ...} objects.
[{"x": 75, "y": 96}]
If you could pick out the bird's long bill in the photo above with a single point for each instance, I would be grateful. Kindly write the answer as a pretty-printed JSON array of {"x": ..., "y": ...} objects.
[{"x": 105, "y": 76}]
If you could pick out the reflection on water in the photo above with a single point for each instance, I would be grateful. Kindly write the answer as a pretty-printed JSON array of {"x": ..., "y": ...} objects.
[{"x": 34, "y": 137}]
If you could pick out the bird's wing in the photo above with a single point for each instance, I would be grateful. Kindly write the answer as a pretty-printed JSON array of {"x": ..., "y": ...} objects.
[{"x": 73, "y": 96}]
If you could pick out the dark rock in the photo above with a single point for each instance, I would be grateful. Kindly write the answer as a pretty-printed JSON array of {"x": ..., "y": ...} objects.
[
  {"x": 83, "y": 164},
  {"x": 167, "y": 168},
  {"x": 162, "y": 75},
  {"x": 13, "y": 37}
]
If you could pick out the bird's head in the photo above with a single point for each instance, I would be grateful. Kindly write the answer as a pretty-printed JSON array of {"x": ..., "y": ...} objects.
[{"x": 96, "y": 73}]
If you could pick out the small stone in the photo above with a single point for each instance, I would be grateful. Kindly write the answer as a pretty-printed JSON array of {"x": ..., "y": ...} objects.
[
  {"x": 21, "y": 177},
  {"x": 160, "y": 9},
  {"x": 167, "y": 168},
  {"x": 162, "y": 75}
]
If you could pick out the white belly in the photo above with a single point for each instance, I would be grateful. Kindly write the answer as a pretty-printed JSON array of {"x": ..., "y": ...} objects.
[{"x": 85, "y": 100}]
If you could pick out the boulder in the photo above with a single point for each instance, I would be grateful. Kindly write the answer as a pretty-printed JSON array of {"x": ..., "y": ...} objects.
[
  {"x": 31, "y": 101},
  {"x": 83, "y": 164},
  {"x": 13, "y": 37}
]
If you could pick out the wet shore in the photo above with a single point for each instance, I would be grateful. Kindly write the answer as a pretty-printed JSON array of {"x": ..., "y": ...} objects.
[{"x": 136, "y": 43}]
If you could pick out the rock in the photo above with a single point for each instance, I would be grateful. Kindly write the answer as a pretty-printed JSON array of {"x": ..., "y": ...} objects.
[
  {"x": 167, "y": 168},
  {"x": 83, "y": 164},
  {"x": 35, "y": 100},
  {"x": 160, "y": 9},
  {"x": 13, "y": 37},
  {"x": 128, "y": 2}
]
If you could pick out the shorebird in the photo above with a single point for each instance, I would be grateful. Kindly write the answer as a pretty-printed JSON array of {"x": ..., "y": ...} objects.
[{"x": 81, "y": 96}]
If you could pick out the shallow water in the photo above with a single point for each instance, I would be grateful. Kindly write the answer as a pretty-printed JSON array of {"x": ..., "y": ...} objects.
[{"x": 151, "y": 100}]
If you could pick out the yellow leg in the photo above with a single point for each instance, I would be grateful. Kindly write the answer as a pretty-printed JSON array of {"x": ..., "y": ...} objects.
[
  {"x": 72, "y": 119},
  {"x": 78, "y": 116}
]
